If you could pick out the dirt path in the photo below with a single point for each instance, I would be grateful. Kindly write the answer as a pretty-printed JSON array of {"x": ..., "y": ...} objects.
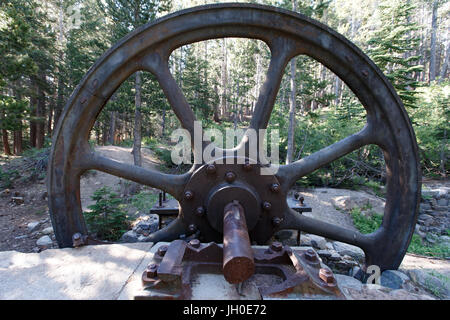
[{"x": 92, "y": 182}]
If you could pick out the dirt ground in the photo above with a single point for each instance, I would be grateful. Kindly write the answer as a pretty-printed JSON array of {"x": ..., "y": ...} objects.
[{"x": 14, "y": 218}]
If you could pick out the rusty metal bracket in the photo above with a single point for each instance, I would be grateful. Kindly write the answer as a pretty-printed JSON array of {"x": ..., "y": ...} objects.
[{"x": 170, "y": 274}]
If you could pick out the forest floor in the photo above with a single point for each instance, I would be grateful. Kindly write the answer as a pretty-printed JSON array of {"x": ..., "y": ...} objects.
[{"x": 15, "y": 233}]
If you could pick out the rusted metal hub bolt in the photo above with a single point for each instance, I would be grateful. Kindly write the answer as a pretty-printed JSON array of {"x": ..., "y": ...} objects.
[
  {"x": 247, "y": 166},
  {"x": 267, "y": 205},
  {"x": 195, "y": 243},
  {"x": 230, "y": 176},
  {"x": 192, "y": 228},
  {"x": 276, "y": 247},
  {"x": 188, "y": 195},
  {"x": 200, "y": 211},
  {"x": 310, "y": 255},
  {"x": 326, "y": 275},
  {"x": 211, "y": 169},
  {"x": 276, "y": 221},
  {"x": 152, "y": 270},
  {"x": 275, "y": 188},
  {"x": 162, "y": 250}
]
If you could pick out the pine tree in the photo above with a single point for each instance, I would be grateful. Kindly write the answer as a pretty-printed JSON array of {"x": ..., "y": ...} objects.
[{"x": 392, "y": 47}]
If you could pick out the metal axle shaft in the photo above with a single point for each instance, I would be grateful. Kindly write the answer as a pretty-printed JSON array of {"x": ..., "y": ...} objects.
[{"x": 238, "y": 262}]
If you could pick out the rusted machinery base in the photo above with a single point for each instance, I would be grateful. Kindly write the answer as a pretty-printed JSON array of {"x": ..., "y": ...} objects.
[{"x": 299, "y": 273}]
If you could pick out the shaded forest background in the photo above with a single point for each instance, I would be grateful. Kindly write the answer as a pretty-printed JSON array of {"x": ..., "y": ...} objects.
[{"x": 47, "y": 46}]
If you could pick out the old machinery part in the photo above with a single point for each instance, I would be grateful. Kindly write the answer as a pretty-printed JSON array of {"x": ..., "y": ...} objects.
[
  {"x": 170, "y": 276},
  {"x": 238, "y": 264},
  {"x": 213, "y": 185}
]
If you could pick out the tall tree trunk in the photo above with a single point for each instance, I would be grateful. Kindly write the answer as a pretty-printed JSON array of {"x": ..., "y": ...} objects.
[
  {"x": 60, "y": 95},
  {"x": 163, "y": 122},
  {"x": 40, "y": 113},
  {"x": 445, "y": 64},
  {"x": 112, "y": 127},
  {"x": 442, "y": 155},
  {"x": 6, "y": 148},
  {"x": 137, "y": 122},
  {"x": 18, "y": 142},
  {"x": 432, "y": 75},
  {"x": 223, "y": 97},
  {"x": 33, "y": 106},
  {"x": 292, "y": 107}
]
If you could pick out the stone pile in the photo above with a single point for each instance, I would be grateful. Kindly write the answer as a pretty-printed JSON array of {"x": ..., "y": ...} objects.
[
  {"x": 433, "y": 221},
  {"x": 145, "y": 225}
]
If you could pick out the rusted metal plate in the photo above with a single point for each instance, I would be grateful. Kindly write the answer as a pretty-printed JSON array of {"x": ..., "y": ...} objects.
[{"x": 280, "y": 272}]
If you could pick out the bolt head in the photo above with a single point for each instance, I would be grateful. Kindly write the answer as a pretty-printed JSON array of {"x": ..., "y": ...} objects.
[
  {"x": 162, "y": 250},
  {"x": 211, "y": 169},
  {"x": 200, "y": 211},
  {"x": 310, "y": 255},
  {"x": 152, "y": 270},
  {"x": 327, "y": 276},
  {"x": 192, "y": 228},
  {"x": 276, "y": 246},
  {"x": 275, "y": 188},
  {"x": 276, "y": 221},
  {"x": 267, "y": 205},
  {"x": 188, "y": 195},
  {"x": 230, "y": 176},
  {"x": 195, "y": 243}
]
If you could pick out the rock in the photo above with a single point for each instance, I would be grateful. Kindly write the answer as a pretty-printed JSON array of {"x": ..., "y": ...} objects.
[
  {"x": 285, "y": 234},
  {"x": 335, "y": 256},
  {"x": 318, "y": 242},
  {"x": 20, "y": 237},
  {"x": 348, "y": 282},
  {"x": 18, "y": 200},
  {"x": 329, "y": 246},
  {"x": 444, "y": 239},
  {"x": 48, "y": 230},
  {"x": 425, "y": 206},
  {"x": 305, "y": 240},
  {"x": 418, "y": 232},
  {"x": 32, "y": 226},
  {"x": 432, "y": 281},
  {"x": 442, "y": 202},
  {"x": 324, "y": 254},
  {"x": 402, "y": 294},
  {"x": 5, "y": 193},
  {"x": 347, "y": 249},
  {"x": 147, "y": 224},
  {"x": 431, "y": 238},
  {"x": 129, "y": 237},
  {"x": 393, "y": 279},
  {"x": 359, "y": 201},
  {"x": 44, "y": 242}
]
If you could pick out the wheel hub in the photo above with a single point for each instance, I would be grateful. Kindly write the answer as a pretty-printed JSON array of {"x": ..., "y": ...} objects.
[{"x": 214, "y": 185}]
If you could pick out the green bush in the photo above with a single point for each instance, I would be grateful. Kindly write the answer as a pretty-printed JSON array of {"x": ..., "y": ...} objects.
[
  {"x": 366, "y": 224},
  {"x": 107, "y": 219},
  {"x": 7, "y": 177}
]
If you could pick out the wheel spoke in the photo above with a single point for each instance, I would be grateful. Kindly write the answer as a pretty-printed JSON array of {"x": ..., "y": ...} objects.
[
  {"x": 290, "y": 173},
  {"x": 282, "y": 50},
  {"x": 157, "y": 63},
  {"x": 294, "y": 220},
  {"x": 169, "y": 233},
  {"x": 173, "y": 184}
]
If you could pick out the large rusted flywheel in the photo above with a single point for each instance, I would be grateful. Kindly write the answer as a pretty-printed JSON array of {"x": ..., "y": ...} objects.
[{"x": 205, "y": 190}]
